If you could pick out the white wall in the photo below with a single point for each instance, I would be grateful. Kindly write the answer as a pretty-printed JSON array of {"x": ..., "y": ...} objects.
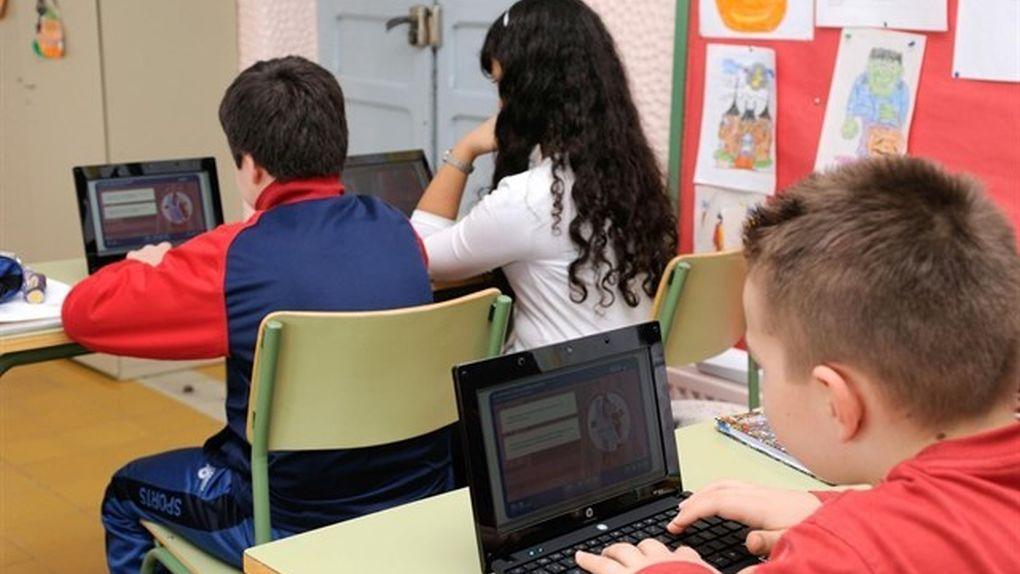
[
  {"x": 274, "y": 28},
  {"x": 643, "y": 30}
]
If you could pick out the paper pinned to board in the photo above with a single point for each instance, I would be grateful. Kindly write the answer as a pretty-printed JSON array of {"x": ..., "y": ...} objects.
[
  {"x": 930, "y": 15},
  {"x": 737, "y": 146},
  {"x": 987, "y": 40},
  {"x": 872, "y": 97},
  {"x": 17, "y": 309},
  {"x": 757, "y": 19},
  {"x": 719, "y": 216}
]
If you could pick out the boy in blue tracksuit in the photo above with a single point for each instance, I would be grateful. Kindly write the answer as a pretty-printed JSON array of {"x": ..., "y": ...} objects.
[{"x": 305, "y": 245}]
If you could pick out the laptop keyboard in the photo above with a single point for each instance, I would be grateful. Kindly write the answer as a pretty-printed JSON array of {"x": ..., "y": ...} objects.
[{"x": 719, "y": 542}]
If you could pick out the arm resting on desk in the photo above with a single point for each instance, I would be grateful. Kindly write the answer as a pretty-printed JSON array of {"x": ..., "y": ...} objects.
[{"x": 175, "y": 310}]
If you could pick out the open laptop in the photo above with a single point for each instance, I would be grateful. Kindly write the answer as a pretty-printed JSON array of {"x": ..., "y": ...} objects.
[
  {"x": 126, "y": 206},
  {"x": 571, "y": 447},
  {"x": 398, "y": 178}
]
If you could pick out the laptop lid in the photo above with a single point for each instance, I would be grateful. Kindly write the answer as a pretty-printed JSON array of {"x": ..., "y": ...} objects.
[
  {"x": 566, "y": 435},
  {"x": 126, "y": 206},
  {"x": 398, "y": 178}
]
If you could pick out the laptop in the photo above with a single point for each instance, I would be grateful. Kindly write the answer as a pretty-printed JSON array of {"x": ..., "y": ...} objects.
[
  {"x": 398, "y": 178},
  {"x": 571, "y": 447},
  {"x": 126, "y": 206}
]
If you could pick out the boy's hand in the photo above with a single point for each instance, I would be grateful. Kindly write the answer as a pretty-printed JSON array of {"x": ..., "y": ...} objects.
[
  {"x": 768, "y": 511},
  {"x": 151, "y": 254},
  {"x": 629, "y": 559}
]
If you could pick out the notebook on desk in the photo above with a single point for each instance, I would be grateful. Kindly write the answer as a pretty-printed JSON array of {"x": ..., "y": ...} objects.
[
  {"x": 752, "y": 429},
  {"x": 17, "y": 316},
  {"x": 571, "y": 447}
]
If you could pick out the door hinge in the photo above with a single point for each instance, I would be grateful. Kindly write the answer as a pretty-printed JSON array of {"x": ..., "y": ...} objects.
[{"x": 436, "y": 26}]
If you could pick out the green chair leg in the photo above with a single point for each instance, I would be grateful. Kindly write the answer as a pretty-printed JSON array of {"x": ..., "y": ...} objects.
[
  {"x": 260, "y": 439},
  {"x": 160, "y": 555},
  {"x": 499, "y": 317},
  {"x": 753, "y": 385},
  {"x": 676, "y": 286}
]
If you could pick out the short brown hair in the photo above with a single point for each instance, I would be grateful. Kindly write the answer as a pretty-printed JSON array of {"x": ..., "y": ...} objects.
[
  {"x": 902, "y": 270},
  {"x": 288, "y": 113}
]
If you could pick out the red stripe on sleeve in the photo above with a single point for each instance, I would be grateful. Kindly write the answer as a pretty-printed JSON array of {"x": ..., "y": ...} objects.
[{"x": 175, "y": 310}]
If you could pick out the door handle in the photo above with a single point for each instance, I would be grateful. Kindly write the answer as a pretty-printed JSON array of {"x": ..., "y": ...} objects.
[
  {"x": 418, "y": 26},
  {"x": 398, "y": 21},
  {"x": 424, "y": 26}
]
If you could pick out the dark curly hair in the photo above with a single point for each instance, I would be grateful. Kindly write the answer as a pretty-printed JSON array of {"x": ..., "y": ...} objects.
[{"x": 564, "y": 88}]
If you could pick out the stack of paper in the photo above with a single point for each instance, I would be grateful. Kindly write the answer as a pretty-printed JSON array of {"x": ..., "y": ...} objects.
[{"x": 17, "y": 316}]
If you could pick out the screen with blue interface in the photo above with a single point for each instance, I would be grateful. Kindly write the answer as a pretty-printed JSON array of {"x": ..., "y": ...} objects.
[{"x": 570, "y": 438}]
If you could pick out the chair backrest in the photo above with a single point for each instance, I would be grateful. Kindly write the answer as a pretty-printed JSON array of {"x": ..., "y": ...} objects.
[
  {"x": 699, "y": 305},
  {"x": 349, "y": 380}
]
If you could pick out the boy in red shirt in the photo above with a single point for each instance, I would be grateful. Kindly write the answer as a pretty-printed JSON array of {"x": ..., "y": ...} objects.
[{"x": 883, "y": 301}]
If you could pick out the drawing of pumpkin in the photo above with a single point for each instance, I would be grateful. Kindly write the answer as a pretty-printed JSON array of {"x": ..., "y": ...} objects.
[{"x": 752, "y": 15}]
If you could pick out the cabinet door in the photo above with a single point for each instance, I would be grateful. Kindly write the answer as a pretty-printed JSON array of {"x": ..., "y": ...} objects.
[
  {"x": 166, "y": 66},
  {"x": 387, "y": 82},
  {"x": 51, "y": 119}
]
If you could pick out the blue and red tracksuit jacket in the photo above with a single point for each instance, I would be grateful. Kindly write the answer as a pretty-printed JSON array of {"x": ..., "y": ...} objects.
[{"x": 308, "y": 247}]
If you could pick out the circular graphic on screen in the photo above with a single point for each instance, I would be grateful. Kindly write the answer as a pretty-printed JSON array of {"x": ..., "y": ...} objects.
[
  {"x": 176, "y": 207},
  {"x": 608, "y": 421}
]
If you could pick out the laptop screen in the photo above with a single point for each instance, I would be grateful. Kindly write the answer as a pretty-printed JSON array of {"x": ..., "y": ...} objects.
[
  {"x": 570, "y": 437},
  {"x": 130, "y": 212},
  {"x": 398, "y": 178},
  {"x": 127, "y": 206}
]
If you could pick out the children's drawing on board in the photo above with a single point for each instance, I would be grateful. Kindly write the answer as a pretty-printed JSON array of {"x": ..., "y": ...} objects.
[
  {"x": 759, "y": 19},
  {"x": 719, "y": 217},
  {"x": 871, "y": 100},
  {"x": 876, "y": 110},
  {"x": 738, "y": 132},
  {"x": 745, "y": 129}
]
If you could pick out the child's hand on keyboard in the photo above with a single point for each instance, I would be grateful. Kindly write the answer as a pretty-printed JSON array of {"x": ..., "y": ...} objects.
[
  {"x": 629, "y": 559},
  {"x": 768, "y": 511}
]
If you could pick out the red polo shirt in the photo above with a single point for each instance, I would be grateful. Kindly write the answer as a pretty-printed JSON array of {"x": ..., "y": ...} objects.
[{"x": 954, "y": 508}]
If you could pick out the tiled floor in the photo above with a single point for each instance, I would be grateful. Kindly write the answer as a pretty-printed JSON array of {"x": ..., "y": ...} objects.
[{"x": 64, "y": 429}]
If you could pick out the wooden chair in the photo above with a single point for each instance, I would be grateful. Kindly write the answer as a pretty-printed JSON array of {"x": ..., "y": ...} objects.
[
  {"x": 349, "y": 380},
  {"x": 700, "y": 308}
]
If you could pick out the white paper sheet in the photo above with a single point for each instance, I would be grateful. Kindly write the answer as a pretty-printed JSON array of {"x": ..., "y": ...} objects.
[
  {"x": 900, "y": 14},
  {"x": 719, "y": 216},
  {"x": 987, "y": 40},
  {"x": 737, "y": 146},
  {"x": 761, "y": 19},
  {"x": 871, "y": 100},
  {"x": 18, "y": 310}
]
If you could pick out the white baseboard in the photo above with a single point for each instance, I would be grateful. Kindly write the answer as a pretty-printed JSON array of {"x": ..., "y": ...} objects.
[{"x": 124, "y": 368}]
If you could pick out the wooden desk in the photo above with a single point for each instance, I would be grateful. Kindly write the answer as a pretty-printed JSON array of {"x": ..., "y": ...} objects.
[
  {"x": 436, "y": 536},
  {"x": 46, "y": 343},
  {"x": 50, "y": 342}
]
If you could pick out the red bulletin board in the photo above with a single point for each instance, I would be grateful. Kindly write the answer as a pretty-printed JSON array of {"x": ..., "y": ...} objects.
[{"x": 968, "y": 126}]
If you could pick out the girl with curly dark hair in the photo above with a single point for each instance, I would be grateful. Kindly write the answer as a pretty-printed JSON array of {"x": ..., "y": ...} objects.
[{"x": 578, "y": 219}]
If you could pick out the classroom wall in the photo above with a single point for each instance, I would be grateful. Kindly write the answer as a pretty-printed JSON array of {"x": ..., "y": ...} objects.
[
  {"x": 141, "y": 79},
  {"x": 273, "y": 28},
  {"x": 643, "y": 30},
  {"x": 51, "y": 118}
]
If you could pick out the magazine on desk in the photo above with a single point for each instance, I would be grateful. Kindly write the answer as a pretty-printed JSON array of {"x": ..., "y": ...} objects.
[{"x": 753, "y": 430}]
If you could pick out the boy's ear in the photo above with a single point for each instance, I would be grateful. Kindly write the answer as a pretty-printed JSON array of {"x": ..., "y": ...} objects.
[
  {"x": 846, "y": 405},
  {"x": 255, "y": 174}
]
